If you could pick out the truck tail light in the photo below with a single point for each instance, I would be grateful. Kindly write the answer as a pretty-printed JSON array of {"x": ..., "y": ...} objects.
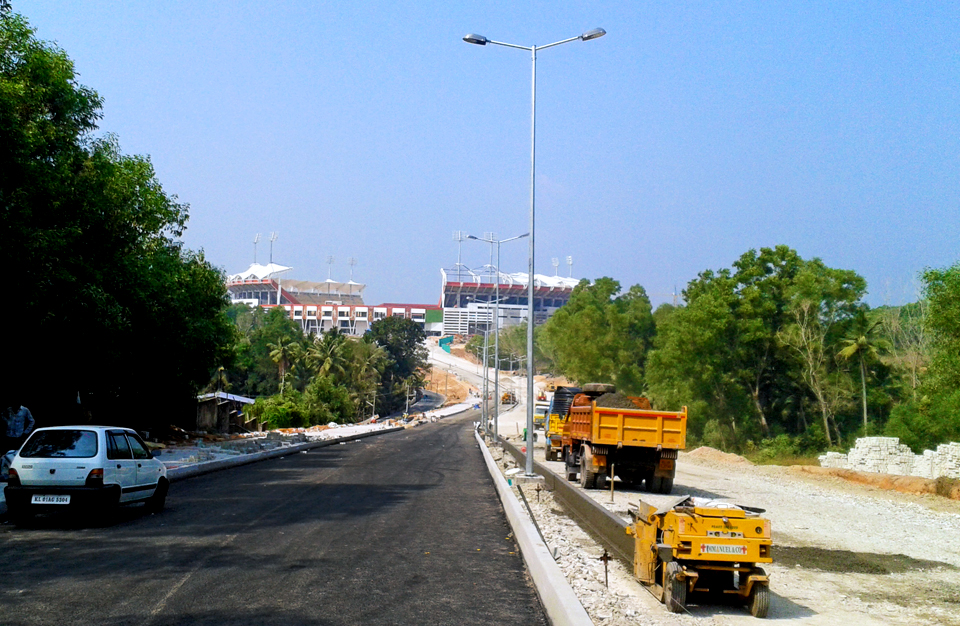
[
  {"x": 14, "y": 478},
  {"x": 95, "y": 478}
]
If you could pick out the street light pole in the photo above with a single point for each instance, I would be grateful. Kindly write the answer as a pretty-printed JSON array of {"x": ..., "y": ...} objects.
[
  {"x": 496, "y": 330},
  {"x": 480, "y": 40}
]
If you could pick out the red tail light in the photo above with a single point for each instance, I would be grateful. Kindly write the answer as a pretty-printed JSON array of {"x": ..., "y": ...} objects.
[
  {"x": 14, "y": 478},
  {"x": 95, "y": 478}
]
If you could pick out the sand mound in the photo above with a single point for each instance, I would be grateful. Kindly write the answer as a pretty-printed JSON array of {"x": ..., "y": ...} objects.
[{"x": 707, "y": 453}]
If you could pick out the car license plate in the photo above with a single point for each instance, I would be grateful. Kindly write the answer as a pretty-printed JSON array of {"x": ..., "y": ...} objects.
[
  {"x": 666, "y": 464},
  {"x": 49, "y": 499}
]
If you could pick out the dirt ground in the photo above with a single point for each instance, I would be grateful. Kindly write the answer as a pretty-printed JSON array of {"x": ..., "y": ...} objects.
[
  {"x": 844, "y": 552},
  {"x": 441, "y": 381}
]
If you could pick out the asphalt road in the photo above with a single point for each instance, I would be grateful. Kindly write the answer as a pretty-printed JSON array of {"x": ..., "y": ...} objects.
[{"x": 403, "y": 528}]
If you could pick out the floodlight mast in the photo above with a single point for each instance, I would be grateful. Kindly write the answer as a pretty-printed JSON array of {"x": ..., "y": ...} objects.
[{"x": 480, "y": 40}]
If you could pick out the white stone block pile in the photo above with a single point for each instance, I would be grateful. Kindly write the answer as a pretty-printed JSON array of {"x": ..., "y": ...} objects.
[{"x": 886, "y": 455}]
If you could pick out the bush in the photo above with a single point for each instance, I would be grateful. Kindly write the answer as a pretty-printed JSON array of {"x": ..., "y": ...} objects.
[{"x": 924, "y": 424}]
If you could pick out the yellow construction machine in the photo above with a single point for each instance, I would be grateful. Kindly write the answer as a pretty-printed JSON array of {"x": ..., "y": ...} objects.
[{"x": 700, "y": 546}]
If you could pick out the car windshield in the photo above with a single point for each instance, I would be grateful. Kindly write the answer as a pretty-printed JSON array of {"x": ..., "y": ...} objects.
[{"x": 60, "y": 444}]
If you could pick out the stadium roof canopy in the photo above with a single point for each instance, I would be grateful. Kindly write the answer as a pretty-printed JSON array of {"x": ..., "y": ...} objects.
[
  {"x": 260, "y": 272},
  {"x": 487, "y": 276}
]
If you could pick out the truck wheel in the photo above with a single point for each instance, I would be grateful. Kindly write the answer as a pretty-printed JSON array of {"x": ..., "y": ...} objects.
[
  {"x": 647, "y": 478},
  {"x": 587, "y": 477},
  {"x": 666, "y": 484},
  {"x": 759, "y": 600},
  {"x": 652, "y": 483},
  {"x": 674, "y": 590},
  {"x": 600, "y": 482}
]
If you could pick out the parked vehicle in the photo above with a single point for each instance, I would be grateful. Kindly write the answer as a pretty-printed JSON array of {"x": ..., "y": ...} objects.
[
  {"x": 557, "y": 416},
  {"x": 90, "y": 469},
  {"x": 695, "y": 545},
  {"x": 540, "y": 410},
  {"x": 639, "y": 442}
]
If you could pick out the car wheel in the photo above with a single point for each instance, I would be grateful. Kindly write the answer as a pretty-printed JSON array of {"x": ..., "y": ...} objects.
[
  {"x": 159, "y": 498},
  {"x": 18, "y": 516}
]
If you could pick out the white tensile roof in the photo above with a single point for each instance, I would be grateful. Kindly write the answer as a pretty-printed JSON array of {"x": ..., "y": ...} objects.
[
  {"x": 519, "y": 278},
  {"x": 271, "y": 270}
]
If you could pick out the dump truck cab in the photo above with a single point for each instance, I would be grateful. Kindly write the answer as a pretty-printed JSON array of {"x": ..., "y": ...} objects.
[{"x": 556, "y": 419}]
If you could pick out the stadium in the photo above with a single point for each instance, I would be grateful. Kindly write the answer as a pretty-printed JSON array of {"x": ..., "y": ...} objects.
[{"x": 467, "y": 304}]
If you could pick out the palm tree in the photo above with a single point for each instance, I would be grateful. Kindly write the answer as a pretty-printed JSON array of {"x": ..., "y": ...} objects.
[
  {"x": 860, "y": 343},
  {"x": 326, "y": 353},
  {"x": 283, "y": 353}
]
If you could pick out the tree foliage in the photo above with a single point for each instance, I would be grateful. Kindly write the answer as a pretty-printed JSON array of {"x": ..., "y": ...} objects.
[
  {"x": 402, "y": 341},
  {"x": 601, "y": 335},
  {"x": 752, "y": 351},
  {"x": 107, "y": 299},
  {"x": 932, "y": 416}
]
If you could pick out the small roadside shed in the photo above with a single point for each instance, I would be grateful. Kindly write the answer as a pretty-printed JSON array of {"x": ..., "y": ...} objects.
[{"x": 223, "y": 413}]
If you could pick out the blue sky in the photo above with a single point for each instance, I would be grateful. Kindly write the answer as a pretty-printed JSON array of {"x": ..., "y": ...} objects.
[{"x": 690, "y": 134}]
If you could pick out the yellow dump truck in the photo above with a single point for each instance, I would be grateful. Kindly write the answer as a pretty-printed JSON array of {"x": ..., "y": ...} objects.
[
  {"x": 698, "y": 546},
  {"x": 636, "y": 442},
  {"x": 556, "y": 419},
  {"x": 540, "y": 412}
]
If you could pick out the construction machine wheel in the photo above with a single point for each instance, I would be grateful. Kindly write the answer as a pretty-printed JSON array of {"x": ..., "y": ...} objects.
[
  {"x": 759, "y": 600},
  {"x": 587, "y": 478},
  {"x": 674, "y": 589}
]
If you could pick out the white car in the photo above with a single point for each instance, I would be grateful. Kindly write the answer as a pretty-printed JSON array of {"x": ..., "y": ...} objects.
[{"x": 84, "y": 468}]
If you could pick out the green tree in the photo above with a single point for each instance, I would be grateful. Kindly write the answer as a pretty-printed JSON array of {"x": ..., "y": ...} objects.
[
  {"x": 750, "y": 344},
  {"x": 820, "y": 300},
  {"x": 101, "y": 277},
  {"x": 600, "y": 336},
  {"x": 861, "y": 343},
  {"x": 934, "y": 416},
  {"x": 326, "y": 354},
  {"x": 942, "y": 292},
  {"x": 402, "y": 342},
  {"x": 284, "y": 353}
]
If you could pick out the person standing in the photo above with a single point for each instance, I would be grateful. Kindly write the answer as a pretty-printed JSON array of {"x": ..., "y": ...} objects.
[{"x": 18, "y": 425}]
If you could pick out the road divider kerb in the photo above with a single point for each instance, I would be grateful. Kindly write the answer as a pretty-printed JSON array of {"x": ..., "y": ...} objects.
[{"x": 558, "y": 598}]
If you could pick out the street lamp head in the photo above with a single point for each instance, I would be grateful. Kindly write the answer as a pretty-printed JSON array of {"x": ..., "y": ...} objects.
[
  {"x": 480, "y": 40},
  {"x": 596, "y": 33},
  {"x": 472, "y": 237}
]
